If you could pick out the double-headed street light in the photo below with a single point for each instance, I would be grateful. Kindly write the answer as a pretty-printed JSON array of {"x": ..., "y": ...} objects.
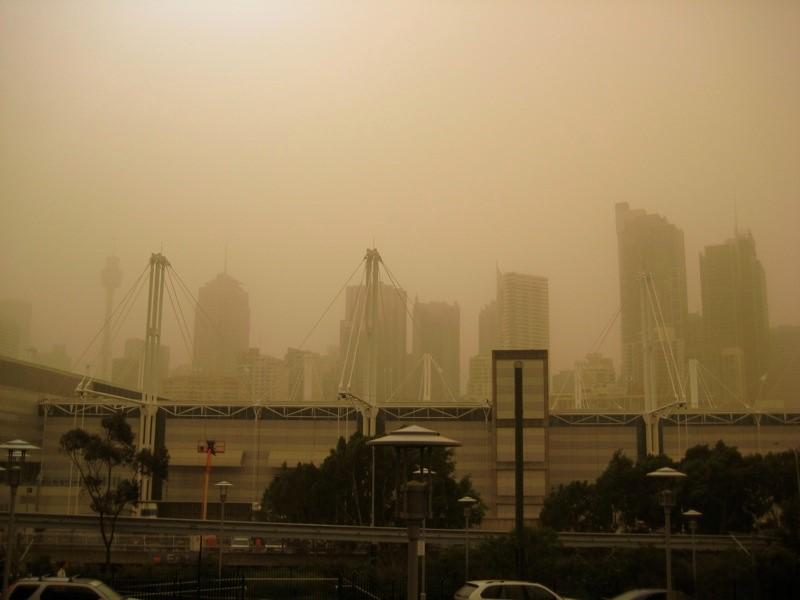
[
  {"x": 467, "y": 502},
  {"x": 666, "y": 497},
  {"x": 17, "y": 450},
  {"x": 222, "y": 486}
]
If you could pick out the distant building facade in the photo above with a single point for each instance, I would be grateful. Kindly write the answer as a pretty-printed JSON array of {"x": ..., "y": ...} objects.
[
  {"x": 781, "y": 386},
  {"x": 15, "y": 327},
  {"x": 126, "y": 371},
  {"x": 736, "y": 326},
  {"x": 221, "y": 326},
  {"x": 523, "y": 311},
  {"x": 437, "y": 331},
  {"x": 649, "y": 245}
]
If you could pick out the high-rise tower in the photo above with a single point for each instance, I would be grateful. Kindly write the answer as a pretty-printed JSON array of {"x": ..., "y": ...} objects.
[
  {"x": 221, "y": 326},
  {"x": 734, "y": 295},
  {"x": 523, "y": 311},
  {"x": 651, "y": 251},
  {"x": 437, "y": 331},
  {"x": 111, "y": 278}
]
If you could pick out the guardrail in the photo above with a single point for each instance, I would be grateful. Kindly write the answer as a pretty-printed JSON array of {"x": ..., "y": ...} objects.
[{"x": 183, "y": 528}]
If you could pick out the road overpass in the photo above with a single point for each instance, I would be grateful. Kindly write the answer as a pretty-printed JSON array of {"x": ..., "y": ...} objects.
[{"x": 181, "y": 529}]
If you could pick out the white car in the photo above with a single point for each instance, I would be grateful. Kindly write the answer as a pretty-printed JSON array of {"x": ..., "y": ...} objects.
[
  {"x": 501, "y": 589},
  {"x": 62, "y": 588}
]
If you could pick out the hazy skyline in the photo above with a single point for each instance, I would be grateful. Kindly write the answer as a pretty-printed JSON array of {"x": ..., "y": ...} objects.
[{"x": 454, "y": 137}]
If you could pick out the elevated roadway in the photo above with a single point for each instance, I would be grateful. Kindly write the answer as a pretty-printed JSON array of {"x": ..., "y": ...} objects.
[{"x": 365, "y": 534}]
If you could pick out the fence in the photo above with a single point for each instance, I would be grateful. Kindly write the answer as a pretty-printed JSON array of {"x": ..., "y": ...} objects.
[{"x": 262, "y": 583}]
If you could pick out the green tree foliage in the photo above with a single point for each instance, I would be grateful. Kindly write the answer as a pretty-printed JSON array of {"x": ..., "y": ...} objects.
[
  {"x": 109, "y": 465},
  {"x": 573, "y": 507},
  {"x": 339, "y": 490},
  {"x": 734, "y": 493}
]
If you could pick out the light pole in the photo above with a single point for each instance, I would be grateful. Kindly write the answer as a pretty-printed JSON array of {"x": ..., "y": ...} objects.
[
  {"x": 693, "y": 516},
  {"x": 17, "y": 449},
  {"x": 467, "y": 502},
  {"x": 666, "y": 498},
  {"x": 222, "y": 486},
  {"x": 416, "y": 505}
]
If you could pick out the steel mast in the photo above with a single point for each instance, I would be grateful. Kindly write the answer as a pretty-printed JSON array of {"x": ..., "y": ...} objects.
[{"x": 149, "y": 374}]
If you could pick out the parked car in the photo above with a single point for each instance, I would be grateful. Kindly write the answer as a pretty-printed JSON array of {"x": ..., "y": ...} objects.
[
  {"x": 62, "y": 588},
  {"x": 501, "y": 589},
  {"x": 240, "y": 544}
]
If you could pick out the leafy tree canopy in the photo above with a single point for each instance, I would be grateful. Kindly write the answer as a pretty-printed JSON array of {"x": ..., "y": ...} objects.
[
  {"x": 733, "y": 492},
  {"x": 339, "y": 491}
]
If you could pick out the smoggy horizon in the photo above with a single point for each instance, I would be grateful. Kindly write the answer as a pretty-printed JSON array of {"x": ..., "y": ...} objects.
[{"x": 455, "y": 138}]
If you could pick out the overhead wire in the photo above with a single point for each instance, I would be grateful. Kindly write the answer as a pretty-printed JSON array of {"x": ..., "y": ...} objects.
[{"x": 110, "y": 318}]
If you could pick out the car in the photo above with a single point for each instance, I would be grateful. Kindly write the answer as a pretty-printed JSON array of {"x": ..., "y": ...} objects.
[
  {"x": 62, "y": 588},
  {"x": 240, "y": 544},
  {"x": 505, "y": 589}
]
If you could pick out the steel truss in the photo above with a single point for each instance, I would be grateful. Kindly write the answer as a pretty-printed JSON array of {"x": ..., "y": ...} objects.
[{"x": 67, "y": 407}]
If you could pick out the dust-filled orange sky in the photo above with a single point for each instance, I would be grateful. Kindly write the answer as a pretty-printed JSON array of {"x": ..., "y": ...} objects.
[{"x": 455, "y": 135}]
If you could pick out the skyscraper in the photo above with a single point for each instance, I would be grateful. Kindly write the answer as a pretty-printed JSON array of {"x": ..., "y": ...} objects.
[
  {"x": 736, "y": 327},
  {"x": 221, "y": 326},
  {"x": 649, "y": 245},
  {"x": 488, "y": 330},
  {"x": 437, "y": 331},
  {"x": 523, "y": 312}
]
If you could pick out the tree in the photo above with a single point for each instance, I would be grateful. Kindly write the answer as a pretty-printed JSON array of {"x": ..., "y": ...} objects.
[
  {"x": 572, "y": 507},
  {"x": 109, "y": 466},
  {"x": 340, "y": 490}
]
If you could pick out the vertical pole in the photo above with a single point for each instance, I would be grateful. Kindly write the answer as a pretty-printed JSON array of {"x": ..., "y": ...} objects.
[
  {"x": 11, "y": 542},
  {"x": 204, "y": 507},
  {"x": 219, "y": 541},
  {"x": 412, "y": 592},
  {"x": 372, "y": 494},
  {"x": 667, "y": 548},
  {"x": 466, "y": 544},
  {"x": 693, "y": 529},
  {"x": 519, "y": 487}
]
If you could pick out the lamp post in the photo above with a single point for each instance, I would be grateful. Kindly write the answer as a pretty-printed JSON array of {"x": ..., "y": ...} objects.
[
  {"x": 17, "y": 449},
  {"x": 666, "y": 498},
  {"x": 222, "y": 486},
  {"x": 467, "y": 502},
  {"x": 416, "y": 504},
  {"x": 693, "y": 516}
]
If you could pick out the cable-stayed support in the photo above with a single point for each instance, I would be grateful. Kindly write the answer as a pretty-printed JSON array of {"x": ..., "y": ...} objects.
[{"x": 113, "y": 320}]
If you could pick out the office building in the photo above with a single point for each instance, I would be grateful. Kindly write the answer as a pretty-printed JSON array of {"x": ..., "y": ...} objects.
[
  {"x": 126, "y": 370},
  {"x": 523, "y": 312},
  {"x": 736, "y": 327},
  {"x": 437, "y": 331},
  {"x": 652, "y": 284},
  {"x": 221, "y": 326}
]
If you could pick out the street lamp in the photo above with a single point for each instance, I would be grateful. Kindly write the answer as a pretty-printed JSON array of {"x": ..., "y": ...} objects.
[
  {"x": 666, "y": 498},
  {"x": 416, "y": 504},
  {"x": 467, "y": 502},
  {"x": 693, "y": 516},
  {"x": 17, "y": 449},
  {"x": 222, "y": 486}
]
